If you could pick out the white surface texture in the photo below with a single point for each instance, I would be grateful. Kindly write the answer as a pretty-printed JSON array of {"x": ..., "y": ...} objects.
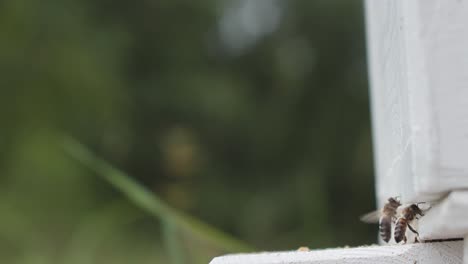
[
  {"x": 448, "y": 219},
  {"x": 421, "y": 253},
  {"x": 418, "y": 66},
  {"x": 418, "y": 69}
]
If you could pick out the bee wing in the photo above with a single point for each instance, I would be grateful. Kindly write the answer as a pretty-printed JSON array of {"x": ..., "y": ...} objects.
[{"x": 372, "y": 217}]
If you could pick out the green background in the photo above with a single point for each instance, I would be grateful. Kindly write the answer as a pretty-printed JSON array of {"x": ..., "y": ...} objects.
[{"x": 233, "y": 120}]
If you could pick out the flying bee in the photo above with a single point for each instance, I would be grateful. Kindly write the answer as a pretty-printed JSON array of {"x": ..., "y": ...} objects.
[
  {"x": 408, "y": 214},
  {"x": 384, "y": 217}
]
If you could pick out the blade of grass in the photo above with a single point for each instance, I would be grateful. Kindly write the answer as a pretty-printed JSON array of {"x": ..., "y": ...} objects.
[
  {"x": 149, "y": 202},
  {"x": 172, "y": 242}
]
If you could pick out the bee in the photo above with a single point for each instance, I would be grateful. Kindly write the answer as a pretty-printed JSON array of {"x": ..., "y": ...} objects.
[
  {"x": 384, "y": 217},
  {"x": 408, "y": 214}
]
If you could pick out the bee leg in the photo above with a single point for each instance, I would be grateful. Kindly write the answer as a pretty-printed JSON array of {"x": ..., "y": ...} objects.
[
  {"x": 404, "y": 240},
  {"x": 416, "y": 240},
  {"x": 412, "y": 229}
]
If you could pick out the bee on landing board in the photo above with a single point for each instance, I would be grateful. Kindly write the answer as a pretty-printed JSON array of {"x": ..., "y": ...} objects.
[
  {"x": 384, "y": 217},
  {"x": 407, "y": 215}
]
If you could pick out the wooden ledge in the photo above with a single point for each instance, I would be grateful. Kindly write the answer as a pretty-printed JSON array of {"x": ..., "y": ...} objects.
[
  {"x": 447, "y": 219},
  {"x": 431, "y": 253}
]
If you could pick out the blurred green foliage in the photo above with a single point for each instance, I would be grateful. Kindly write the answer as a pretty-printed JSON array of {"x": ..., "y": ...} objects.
[{"x": 251, "y": 116}]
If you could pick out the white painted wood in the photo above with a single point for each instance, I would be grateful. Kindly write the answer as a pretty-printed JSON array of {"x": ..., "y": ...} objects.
[
  {"x": 418, "y": 65},
  {"x": 446, "y": 220},
  {"x": 421, "y": 253},
  {"x": 465, "y": 251}
]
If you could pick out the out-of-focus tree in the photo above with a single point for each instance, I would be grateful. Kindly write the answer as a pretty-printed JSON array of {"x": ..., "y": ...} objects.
[{"x": 250, "y": 115}]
